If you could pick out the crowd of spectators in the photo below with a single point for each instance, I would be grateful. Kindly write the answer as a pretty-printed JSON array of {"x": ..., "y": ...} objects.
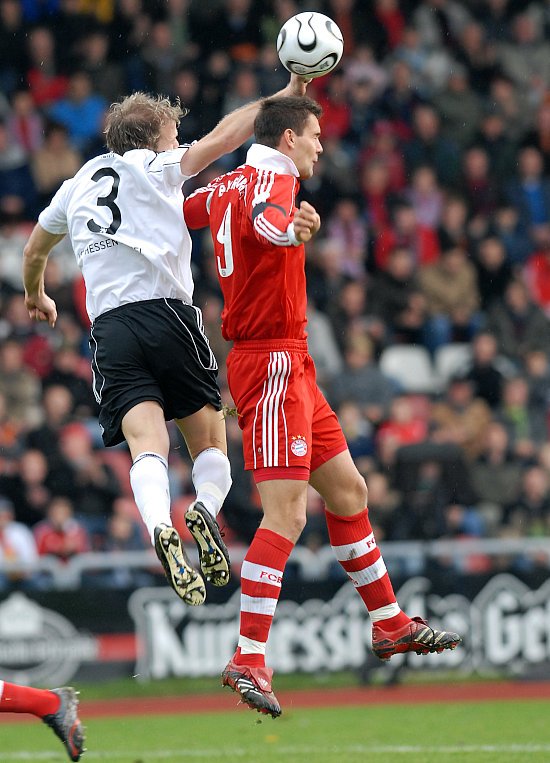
[{"x": 434, "y": 194}]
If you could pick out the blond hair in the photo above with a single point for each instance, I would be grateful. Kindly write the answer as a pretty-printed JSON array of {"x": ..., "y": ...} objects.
[{"x": 136, "y": 121}]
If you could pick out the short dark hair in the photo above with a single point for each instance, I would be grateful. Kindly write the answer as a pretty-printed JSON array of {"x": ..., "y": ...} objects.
[{"x": 279, "y": 114}]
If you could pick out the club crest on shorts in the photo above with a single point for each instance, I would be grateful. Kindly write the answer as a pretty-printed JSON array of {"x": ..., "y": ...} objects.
[{"x": 298, "y": 445}]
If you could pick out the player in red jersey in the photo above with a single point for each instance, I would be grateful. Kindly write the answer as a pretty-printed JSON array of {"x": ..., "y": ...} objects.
[{"x": 291, "y": 436}]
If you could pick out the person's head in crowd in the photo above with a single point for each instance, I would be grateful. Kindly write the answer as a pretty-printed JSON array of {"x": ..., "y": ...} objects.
[
  {"x": 515, "y": 393},
  {"x": 58, "y": 404},
  {"x": 484, "y": 348},
  {"x": 41, "y": 47},
  {"x": 402, "y": 78},
  {"x": 491, "y": 253},
  {"x": 530, "y": 164},
  {"x": 33, "y": 467},
  {"x": 60, "y": 511},
  {"x": 516, "y": 297},
  {"x": 403, "y": 217},
  {"x": 76, "y": 443},
  {"x": 353, "y": 299},
  {"x": 359, "y": 351},
  {"x": 476, "y": 164},
  {"x": 524, "y": 29},
  {"x": 401, "y": 264},
  {"x": 537, "y": 365},
  {"x": 460, "y": 391},
  {"x": 426, "y": 122}
]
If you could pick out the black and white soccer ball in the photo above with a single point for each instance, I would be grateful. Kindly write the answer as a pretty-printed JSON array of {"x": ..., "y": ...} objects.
[{"x": 310, "y": 44}]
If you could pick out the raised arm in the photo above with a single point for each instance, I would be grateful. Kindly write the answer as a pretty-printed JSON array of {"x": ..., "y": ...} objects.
[
  {"x": 35, "y": 257},
  {"x": 231, "y": 132}
]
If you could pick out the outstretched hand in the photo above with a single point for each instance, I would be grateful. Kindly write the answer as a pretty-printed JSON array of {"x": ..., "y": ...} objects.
[{"x": 306, "y": 222}]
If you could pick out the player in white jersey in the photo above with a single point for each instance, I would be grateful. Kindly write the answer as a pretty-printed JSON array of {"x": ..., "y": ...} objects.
[{"x": 151, "y": 360}]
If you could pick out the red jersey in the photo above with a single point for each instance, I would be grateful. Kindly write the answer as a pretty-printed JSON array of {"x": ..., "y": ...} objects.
[{"x": 260, "y": 264}]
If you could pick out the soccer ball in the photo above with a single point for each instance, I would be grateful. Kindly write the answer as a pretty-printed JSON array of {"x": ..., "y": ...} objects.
[{"x": 310, "y": 44}]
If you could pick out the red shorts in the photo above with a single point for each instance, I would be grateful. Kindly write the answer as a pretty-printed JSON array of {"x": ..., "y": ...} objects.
[{"x": 289, "y": 429}]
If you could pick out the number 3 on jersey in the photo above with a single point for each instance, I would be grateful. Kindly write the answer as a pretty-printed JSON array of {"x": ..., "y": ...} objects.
[{"x": 224, "y": 238}]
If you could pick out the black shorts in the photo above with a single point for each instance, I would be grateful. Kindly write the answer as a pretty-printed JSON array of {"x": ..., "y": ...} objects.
[{"x": 151, "y": 350}]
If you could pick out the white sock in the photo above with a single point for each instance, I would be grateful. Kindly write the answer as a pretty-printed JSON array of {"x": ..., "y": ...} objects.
[
  {"x": 211, "y": 477},
  {"x": 149, "y": 481}
]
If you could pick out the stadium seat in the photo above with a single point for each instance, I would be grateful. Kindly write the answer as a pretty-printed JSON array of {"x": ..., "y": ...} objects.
[
  {"x": 451, "y": 359},
  {"x": 410, "y": 366}
]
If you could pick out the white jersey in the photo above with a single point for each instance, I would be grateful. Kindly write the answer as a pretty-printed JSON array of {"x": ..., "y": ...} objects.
[{"x": 124, "y": 216}]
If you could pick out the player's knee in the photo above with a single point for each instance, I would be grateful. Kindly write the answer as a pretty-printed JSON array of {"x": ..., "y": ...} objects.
[{"x": 356, "y": 495}]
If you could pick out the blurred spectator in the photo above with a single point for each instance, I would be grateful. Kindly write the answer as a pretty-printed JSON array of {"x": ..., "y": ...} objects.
[
  {"x": 460, "y": 417},
  {"x": 494, "y": 271},
  {"x": 526, "y": 57},
  {"x": 403, "y": 426},
  {"x": 15, "y": 174},
  {"x": 124, "y": 534},
  {"x": 507, "y": 228},
  {"x": 90, "y": 483},
  {"x": 336, "y": 118},
  {"x": 452, "y": 230},
  {"x": 440, "y": 22},
  {"x": 60, "y": 534},
  {"x": 361, "y": 381},
  {"x": 529, "y": 514},
  {"x": 525, "y": 419},
  {"x": 348, "y": 228},
  {"x": 400, "y": 99},
  {"x": 478, "y": 55},
  {"x": 376, "y": 190},
  {"x": 30, "y": 486},
  {"x": 20, "y": 386},
  {"x": 12, "y": 45},
  {"x": 492, "y": 137},
  {"x": 55, "y": 161},
  {"x": 359, "y": 433},
  {"x": 404, "y": 230},
  {"x": 16, "y": 546},
  {"x": 161, "y": 57},
  {"x": 71, "y": 370},
  {"x": 25, "y": 123},
  {"x": 428, "y": 146},
  {"x": 82, "y": 112},
  {"x": 529, "y": 191},
  {"x": 518, "y": 323},
  {"x": 452, "y": 299},
  {"x": 46, "y": 82},
  {"x": 383, "y": 146},
  {"x": 495, "y": 475},
  {"x": 425, "y": 196},
  {"x": 58, "y": 407},
  {"x": 106, "y": 75},
  {"x": 459, "y": 107},
  {"x": 478, "y": 187},
  {"x": 484, "y": 370},
  {"x": 396, "y": 298}
]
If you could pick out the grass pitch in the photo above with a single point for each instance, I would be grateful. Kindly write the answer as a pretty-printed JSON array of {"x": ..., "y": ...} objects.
[{"x": 486, "y": 732}]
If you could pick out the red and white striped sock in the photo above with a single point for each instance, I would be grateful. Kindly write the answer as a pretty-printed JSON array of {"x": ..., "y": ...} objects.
[
  {"x": 24, "y": 699},
  {"x": 354, "y": 545},
  {"x": 261, "y": 579}
]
